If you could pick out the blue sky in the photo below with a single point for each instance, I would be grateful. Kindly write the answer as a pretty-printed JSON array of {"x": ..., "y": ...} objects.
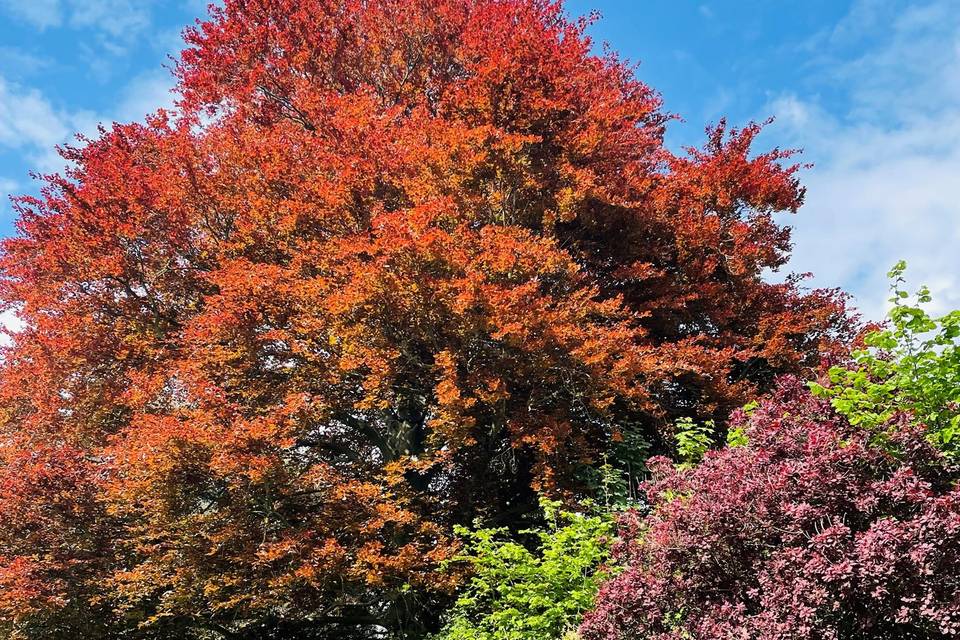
[{"x": 870, "y": 89}]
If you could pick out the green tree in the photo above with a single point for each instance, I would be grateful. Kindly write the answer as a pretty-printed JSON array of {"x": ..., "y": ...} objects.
[{"x": 910, "y": 366}]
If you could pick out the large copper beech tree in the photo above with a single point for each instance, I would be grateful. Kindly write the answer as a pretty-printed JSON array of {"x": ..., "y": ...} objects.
[{"x": 393, "y": 265}]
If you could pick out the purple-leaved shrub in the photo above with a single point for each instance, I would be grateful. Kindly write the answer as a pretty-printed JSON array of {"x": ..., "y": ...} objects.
[{"x": 807, "y": 531}]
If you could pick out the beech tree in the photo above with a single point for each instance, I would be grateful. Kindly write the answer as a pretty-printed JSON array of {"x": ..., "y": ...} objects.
[{"x": 391, "y": 266}]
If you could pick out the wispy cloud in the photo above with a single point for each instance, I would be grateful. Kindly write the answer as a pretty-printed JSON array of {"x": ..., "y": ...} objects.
[
  {"x": 15, "y": 62},
  {"x": 30, "y": 124},
  {"x": 115, "y": 20},
  {"x": 885, "y": 184},
  {"x": 41, "y": 14},
  {"x": 145, "y": 94}
]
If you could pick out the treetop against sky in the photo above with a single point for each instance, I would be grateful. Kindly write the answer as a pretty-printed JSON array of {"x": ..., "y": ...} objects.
[
  {"x": 395, "y": 266},
  {"x": 868, "y": 88}
]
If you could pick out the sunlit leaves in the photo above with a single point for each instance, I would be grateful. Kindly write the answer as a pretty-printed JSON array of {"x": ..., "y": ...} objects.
[
  {"x": 911, "y": 366},
  {"x": 395, "y": 265},
  {"x": 515, "y": 593},
  {"x": 805, "y": 530}
]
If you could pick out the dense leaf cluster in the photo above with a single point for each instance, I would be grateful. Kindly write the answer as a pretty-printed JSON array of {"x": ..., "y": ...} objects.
[
  {"x": 516, "y": 593},
  {"x": 912, "y": 365},
  {"x": 392, "y": 266},
  {"x": 807, "y": 530}
]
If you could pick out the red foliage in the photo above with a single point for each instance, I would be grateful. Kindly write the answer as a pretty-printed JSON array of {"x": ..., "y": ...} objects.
[
  {"x": 396, "y": 265},
  {"x": 807, "y": 532}
]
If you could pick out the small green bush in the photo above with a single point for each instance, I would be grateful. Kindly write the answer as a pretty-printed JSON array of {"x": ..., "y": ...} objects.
[{"x": 521, "y": 594}]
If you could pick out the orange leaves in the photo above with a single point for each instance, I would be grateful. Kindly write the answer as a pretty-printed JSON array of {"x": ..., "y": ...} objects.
[
  {"x": 24, "y": 589},
  {"x": 52, "y": 541},
  {"x": 397, "y": 265}
]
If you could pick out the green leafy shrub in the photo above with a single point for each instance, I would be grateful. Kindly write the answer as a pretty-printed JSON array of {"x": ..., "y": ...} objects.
[
  {"x": 912, "y": 366},
  {"x": 693, "y": 440},
  {"x": 521, "y": 594}
]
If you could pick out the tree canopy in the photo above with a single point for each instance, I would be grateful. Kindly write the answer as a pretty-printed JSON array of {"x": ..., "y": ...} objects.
[{"x": 390, "y": 267}]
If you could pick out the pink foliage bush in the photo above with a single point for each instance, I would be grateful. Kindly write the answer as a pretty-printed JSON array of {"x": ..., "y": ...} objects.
[{"x": 809, "y": 531}]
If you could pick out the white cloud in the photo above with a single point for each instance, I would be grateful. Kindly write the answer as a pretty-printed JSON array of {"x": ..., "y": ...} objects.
[
  {"x": 39, "y": 13},
  {"x": 9, "y": 322},
  {"x": 145, "y": 94},
  {"x": 122, "y": 20},
  {"x": 28, "y": 119},
  {"x": 29, "y": 123},
  {"x": 33, "y": 126},
  {"x": 118, "y": 18},
  {"x": 886, "y": 181}
]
